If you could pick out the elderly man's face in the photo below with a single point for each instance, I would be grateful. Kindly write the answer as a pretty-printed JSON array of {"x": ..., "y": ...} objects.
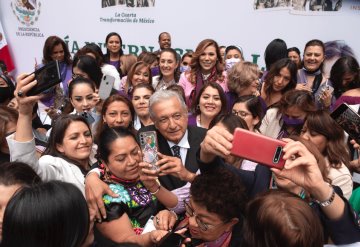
[{"x": 170, "y": 119}]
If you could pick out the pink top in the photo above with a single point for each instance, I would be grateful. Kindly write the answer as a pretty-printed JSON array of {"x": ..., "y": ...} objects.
[{"x": 188, "y": 86}]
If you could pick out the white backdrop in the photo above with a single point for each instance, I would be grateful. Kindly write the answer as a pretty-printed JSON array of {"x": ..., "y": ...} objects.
[{"x": 227, "y": 21}]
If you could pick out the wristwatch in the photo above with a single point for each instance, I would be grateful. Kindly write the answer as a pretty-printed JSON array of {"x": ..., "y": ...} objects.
[{"x": 328, "y": 201}]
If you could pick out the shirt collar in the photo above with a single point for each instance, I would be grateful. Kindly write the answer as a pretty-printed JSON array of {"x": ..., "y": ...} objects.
[{"x": 183, "y": 143}]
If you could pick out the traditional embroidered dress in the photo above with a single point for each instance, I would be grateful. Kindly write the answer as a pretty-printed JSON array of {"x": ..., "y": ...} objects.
[{"x": 134, "y": 200}]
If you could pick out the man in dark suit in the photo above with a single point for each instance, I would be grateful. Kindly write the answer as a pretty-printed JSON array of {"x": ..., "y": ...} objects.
[{"x": 177, "y": 142}]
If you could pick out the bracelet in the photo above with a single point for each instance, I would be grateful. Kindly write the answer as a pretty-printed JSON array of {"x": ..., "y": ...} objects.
[
  {"x": 328, "y": 201},
  {"x": 302, "y": 194},
  {"x": 173, "y": 212},
  {"x": 156, "y": 191}
]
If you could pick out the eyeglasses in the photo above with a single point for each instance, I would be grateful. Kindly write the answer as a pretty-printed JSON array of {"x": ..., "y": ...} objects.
[
  {"x": 240, "y": 113},
  {"x": 190, "y": 213},
  {"x": 166, "y": 120},
  {"x": 74, "y": 76}
]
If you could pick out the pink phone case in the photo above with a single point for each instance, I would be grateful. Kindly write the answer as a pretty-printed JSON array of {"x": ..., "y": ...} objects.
[{"x": 258, "y": 148}]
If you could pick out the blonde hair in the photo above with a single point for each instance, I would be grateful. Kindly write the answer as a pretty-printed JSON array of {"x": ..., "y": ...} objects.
[
  {"x": 241, "y": 75},
  {"x": 127, "y": 61}
]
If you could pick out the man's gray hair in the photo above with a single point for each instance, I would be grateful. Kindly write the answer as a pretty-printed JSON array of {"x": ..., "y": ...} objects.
[{"x": 162, "y": 95}]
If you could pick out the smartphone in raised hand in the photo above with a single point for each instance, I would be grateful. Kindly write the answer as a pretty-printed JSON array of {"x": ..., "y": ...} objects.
[
  {"x": 348, "y": 119},
  {"x": 106, "y": 85},
  {"x": 258, "y": 148},
  {"x": 149, "y": 147},
  {"x": 47, "y": 77}
]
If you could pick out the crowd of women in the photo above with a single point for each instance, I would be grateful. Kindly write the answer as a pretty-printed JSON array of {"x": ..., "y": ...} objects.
[{"x": 72, "y": 170}]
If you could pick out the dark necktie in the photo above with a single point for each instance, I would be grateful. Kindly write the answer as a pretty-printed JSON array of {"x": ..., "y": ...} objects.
[{"x": 176, "y": 151}]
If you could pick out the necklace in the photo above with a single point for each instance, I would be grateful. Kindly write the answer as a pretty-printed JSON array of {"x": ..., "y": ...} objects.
[{"x": 164, "y": 85}]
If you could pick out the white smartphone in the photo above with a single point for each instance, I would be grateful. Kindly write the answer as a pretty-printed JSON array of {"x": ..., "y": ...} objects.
[{"x": 106, "y": 85}]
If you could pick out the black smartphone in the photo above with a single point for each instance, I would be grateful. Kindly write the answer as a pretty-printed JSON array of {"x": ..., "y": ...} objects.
[
  {"x": 173, "y": 239},
  {"x": 349, "y": 120},
  {"x": 46, "y": 77}
]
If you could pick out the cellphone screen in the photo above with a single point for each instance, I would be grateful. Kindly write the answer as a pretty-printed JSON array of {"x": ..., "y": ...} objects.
[
  {"x": 349, "y": 120},
  {"x": 46, "y": 77}
]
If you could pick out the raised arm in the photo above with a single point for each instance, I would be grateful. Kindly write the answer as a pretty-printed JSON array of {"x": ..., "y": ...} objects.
[
  {"x": 22, "y": 144},
  {"x": 24, "y": 125},
  {"x": 302, "y": 169},
  {"x": 149, "y": 178}
]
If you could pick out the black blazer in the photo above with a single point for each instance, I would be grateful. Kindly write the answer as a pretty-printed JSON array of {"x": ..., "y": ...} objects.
[{"x": 195, "y": 136}]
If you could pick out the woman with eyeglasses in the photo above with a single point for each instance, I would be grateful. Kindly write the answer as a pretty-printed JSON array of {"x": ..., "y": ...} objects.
[
  {"x": 214, "y": 214},
  {"x": 249, "y": 108},
  {"x": 305, "y": 175},
  {"x": 210, "y": 103}
]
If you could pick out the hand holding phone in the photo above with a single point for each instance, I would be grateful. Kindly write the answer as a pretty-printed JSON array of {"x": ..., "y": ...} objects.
[
  {"x": 149, "y": 147},
  {"x": 258, "y": 148},
  {"x": 106, "y": 85},
  {"x": 47, "y": 77},
  {"x": 348, "y": 119},
  {"x": 89, "y": 118}
]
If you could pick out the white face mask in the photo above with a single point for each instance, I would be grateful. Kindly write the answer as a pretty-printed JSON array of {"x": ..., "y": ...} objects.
[
  {"x": 229, "y": 63},
  {"x": 184, "y": 68}
]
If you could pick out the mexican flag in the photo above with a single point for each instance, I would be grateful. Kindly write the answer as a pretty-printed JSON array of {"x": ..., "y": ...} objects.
[{"x": 4, "y": 51}]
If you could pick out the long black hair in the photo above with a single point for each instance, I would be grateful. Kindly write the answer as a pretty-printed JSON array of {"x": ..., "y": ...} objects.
[{"x": 49, "y": 214}]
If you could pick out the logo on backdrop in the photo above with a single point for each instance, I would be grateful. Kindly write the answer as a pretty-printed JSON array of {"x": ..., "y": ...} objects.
[
  {"x": 127, "y": 11},
  {"x": 305, "y": 7},
  {"x": 26, "y": 11},
  {"x": 128, "y": 3}
]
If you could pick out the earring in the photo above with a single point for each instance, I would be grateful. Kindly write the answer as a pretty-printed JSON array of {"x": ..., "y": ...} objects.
[
  {"x": 198, "y": 107},
  {"x": 107, "y": 174}
]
